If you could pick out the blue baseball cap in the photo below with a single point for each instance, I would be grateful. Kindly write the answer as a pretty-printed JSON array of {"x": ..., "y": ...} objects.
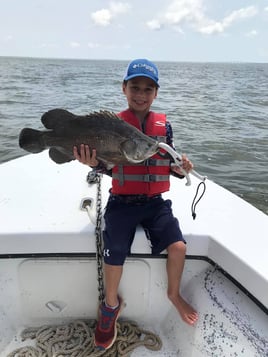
[{"x": 142, "y": 68}]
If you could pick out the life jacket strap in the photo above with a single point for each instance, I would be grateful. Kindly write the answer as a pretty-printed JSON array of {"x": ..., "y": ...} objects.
[{"x": 141, "y": 178}]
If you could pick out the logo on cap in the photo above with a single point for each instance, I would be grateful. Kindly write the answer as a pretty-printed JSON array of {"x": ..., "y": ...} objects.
[{"x": 146, "y": 67}]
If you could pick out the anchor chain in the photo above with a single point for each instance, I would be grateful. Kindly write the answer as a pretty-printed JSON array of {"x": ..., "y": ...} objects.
[
  {"x": 94, "y": 177},
  {"x": 76, "y": 338}
]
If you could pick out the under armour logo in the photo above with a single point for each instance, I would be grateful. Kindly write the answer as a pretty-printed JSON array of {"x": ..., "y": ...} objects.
[{"x": 106, "y": 252}]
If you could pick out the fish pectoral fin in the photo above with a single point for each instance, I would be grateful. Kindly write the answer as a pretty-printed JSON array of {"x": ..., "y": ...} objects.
[
  {"x": 109, "y": 165},
  {"x": 59, "y": 157},
  {"x": 56, "y": 118}
]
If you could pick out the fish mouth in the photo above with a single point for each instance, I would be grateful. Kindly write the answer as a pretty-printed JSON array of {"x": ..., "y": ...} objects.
[{"x": 142, "y": 157}]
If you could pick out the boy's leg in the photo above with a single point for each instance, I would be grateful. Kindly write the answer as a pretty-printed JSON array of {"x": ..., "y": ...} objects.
[
  {"x": 112, "y": 276},
  {"x": 117, "y": 236},
  {"x": 175, "y": 264},
  {"x": 164, "y": 232},
  {"x": 106, "y": 331}
]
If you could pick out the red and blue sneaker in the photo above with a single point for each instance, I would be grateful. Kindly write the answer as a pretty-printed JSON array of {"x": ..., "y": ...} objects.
[{"x": 106, "y": 331}]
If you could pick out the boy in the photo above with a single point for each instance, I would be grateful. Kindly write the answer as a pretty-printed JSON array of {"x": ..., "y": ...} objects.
[{"x": 135, "y": 198}]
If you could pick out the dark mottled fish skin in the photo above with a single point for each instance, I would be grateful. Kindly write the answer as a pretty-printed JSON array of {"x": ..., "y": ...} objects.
[{"x": 115, "y": 141}]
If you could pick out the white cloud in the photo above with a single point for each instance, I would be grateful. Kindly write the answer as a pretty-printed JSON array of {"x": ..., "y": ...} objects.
[
  {"x": 93, "y": 45},
  {"x": 8, "y": 38},
  {"x": 74, "y": 44},
  {"x": 192, "y": 13},
  {"x": 48, "y": 45},
  {"x": 104, "y": 17},
  {"x": 252, "y": 33},
  {"x": 179, "y": 12},
  {"x": 154, "y": 24},
  {"x": 184, "y": 10},
  {"x": 218, "y": 27},
  {"x": 243, "y": 13}
]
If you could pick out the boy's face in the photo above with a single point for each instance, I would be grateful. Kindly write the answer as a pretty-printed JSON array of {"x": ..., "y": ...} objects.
[{"x": 140, "y": 93}]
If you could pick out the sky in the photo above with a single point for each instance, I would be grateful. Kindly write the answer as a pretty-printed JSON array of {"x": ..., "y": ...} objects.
[{"x": 161, "y": 30}]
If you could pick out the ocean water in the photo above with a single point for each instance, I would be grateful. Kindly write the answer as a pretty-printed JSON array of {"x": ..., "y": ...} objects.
[{"x": 219, "y": 111}]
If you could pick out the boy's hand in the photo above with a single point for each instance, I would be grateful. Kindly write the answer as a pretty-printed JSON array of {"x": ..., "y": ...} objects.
[
  {"x": 187, "y": 165},
  {"x": 86, "y": 156}
]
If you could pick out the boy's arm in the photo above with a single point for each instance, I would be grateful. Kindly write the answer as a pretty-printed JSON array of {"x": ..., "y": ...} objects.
[{"x": 186, "y": 163}]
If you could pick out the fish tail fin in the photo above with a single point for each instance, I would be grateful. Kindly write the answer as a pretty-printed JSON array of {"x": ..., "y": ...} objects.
[{"x": 31, "y": 140}]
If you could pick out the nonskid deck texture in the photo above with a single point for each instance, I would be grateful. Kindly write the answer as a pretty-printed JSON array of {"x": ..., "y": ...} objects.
[{"x": 230, "y": 323}]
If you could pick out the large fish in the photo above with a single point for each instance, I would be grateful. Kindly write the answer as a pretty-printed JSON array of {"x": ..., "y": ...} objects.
[{"x": 115, "y": 141}]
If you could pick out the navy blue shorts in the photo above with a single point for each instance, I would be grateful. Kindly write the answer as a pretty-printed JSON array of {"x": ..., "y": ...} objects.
[{"x": 122, "y": 217}]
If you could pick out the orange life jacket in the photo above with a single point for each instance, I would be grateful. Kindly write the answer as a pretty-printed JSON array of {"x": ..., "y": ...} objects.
[{"x": 152, "y": 176}]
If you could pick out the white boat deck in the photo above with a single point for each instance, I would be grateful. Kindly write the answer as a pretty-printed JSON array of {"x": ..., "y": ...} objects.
[
  {"x": 40, "y": 213},
  {"x": 41, "y": 217},
  {"x": 230, "y": 323}
]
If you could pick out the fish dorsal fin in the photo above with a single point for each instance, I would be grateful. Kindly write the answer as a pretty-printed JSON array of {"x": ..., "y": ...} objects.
[
  {"x": 56, "y": 118},
  {"x": 104, "y": 113}
]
